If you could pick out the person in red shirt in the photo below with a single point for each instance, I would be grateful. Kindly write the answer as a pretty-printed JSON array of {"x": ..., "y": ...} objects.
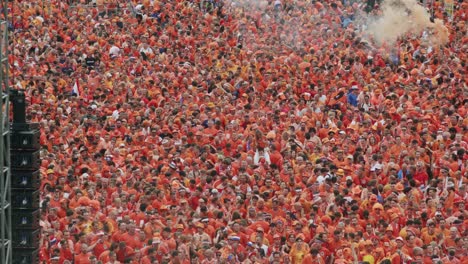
[
  {"x": 150, "y": 256},
  {"x": 65, "y": 252},
  {"x": 103, "y": 243},
  {"x": 420, "y": 174},
  {"x": 124, "y": 252}
]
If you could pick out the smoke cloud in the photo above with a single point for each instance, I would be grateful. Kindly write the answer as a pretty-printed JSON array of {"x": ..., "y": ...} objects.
[
  {"x": 249, "y": 4},
  {"x": 401, "y": 18}
]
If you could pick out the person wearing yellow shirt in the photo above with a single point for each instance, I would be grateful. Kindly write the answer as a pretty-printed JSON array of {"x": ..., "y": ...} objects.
[
  {"x": 299, "y": 250},
  {"x": 369, "y": 259},
  {"x": 367, "y": 252}
]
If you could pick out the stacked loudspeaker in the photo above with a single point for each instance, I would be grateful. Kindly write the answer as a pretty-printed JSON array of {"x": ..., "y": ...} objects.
[{"x": 25, "y": 184}]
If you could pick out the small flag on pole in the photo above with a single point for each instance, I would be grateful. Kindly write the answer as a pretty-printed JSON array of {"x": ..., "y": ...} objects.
[{"x": 76, "y": 89}]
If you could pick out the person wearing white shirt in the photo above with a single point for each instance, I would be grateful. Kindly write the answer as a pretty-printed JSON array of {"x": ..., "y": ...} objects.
[
  {"x": 114, "y": 51},
  {"x": 116, "y": 112},
  {"x": 322, "y": 176}
]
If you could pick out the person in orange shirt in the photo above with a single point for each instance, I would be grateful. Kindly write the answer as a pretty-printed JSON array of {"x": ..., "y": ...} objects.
[
  {"x": 450, "y": 240},
  {"x": 153, "y": 226},
  {"x": 167, "y": 239},
  {"x": 313, "y": 257},
  {"x": 84, "y": 256},
  {"x": 429, "y": 234},
  {"x": 259, "y": 235},
  {"x": 401, "y": 253},
  {"x": 119, "y": 234},
  {"x": 131, "y": 237}
]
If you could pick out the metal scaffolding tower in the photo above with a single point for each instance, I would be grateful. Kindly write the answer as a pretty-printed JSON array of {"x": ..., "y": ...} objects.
[{"x": 5, "y": 186}]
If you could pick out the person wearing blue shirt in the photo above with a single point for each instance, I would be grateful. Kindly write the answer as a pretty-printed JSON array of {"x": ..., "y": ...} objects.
[{"x": 352, "y": 96}]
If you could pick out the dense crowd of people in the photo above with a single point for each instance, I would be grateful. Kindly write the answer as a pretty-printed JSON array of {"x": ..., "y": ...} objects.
[{"x": 211, "y": 131}]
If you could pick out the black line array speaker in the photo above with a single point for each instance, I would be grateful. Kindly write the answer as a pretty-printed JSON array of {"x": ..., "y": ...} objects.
[
  {"x": 25, "y": 184},
  {"x": 25, "y": 256},
  {"x": 26, "y": 140},
  {"x": 25, "y": 159}
]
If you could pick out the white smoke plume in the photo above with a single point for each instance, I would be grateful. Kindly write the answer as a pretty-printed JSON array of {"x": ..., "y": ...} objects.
[
  {"x": 402, "y": 18},
  {"x": 248, "y": 4}
]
